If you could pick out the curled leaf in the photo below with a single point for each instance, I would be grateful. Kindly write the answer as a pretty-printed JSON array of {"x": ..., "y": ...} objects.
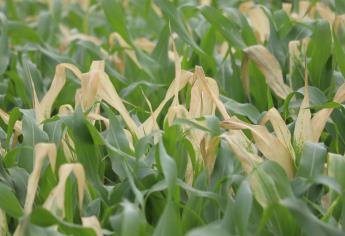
[
  {"x": 319, "y": 120},
  {"x": 147, "y": 126},
  {"x": 239, "y": 146},
  {"x": 56, "y": 199},
  {"x": 42, "y": 150},
  {"x": 93, "y": 223},
  {"x": 280, "y": 128},
  {"x": 108, "y": 93},
  {"x": 257, "y": 19},
  {"x": 127, "y": 48},
  {"x": 265, "y": 141},
  {"x": 270, "y": 68},
  {"x": 303, "y": 127},
  {"x": 6, "y": 118},
  {"x": 44, "y": 107}
]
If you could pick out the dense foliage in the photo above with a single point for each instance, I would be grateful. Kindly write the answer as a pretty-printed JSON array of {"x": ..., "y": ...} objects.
[{"x": 184, "y": 117}]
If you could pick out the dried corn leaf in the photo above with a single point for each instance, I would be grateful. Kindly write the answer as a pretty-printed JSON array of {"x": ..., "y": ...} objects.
[
  {"x": 248, "y": 159},
  {"x": 42, "y": 150},
  {"x": 339, "y": 23},
  {"x": 144, "y": 44},
  {"x": 6, "y": 118},
  {"x": 66, "y": 109},
  {"x": 96, "y": 85},
  {"x": 257, "y": 19},
  {"x": 200, "y": 101},
  {"x": 319, "y": 120},
  {"x": 265, "y": 141},
  {"x": 90, "y": 84},
  {"x": 92, "y": 222},
  {"x": 200, "y": 104},
  {"x": 95, "y": 116},
  {"x": 67, "y": 36},
  {"x": 147, "y": 126},
  {"x": 208, "y": 147},
  {"x": 301, "y": 14},
  {"x": 2, "y": 151},
  {"x": 305, "y": 9},
  {"x": 66, "y": 142},
  {"x": 308, "y": 10},
  {"x": 287, "y": 7},
  {"x": 3, "y": 223},
  {"x": 223, "y": 49},
  {"x": 303, "y": 126},
  {"x": 118, "y": 62},
  {"x": 297, "y": 49},
  {"x": 205, "y": 2},
  {"x": 17, "y": 128},
  {"x": 340, "y": 94},
  {"x": 325, "y": 12},
  {"x": 156, "y": 9},
  {"x": 175, "y": 112},
  {"x": 214, "y": 95},
  {"x": 199, "y": 73},
  {"x": 56, "y": 199},
  {"x": 203, "y": 103},
  {"x": 127, "y": 48},
  {"x": 68, "y": 147},
  {"x": 130, "y": 139},
  {"x": 154, "y": 119},
  {"x": 280, "y": 128},
  {"x": 108, "y": 93},
  {"x": 270, "y": 68},
  {"x": 43, "y": 110}
]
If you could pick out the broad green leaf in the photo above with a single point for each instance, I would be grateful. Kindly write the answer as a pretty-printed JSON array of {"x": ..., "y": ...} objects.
[
  {"x": 115, "y": 15},
  {"x": 169, "y": 222},
  {"x": 243, "y": 207},
  {"x": 20, "y": 32},
  {"x": 132, "y": 223},
  {"x": 336, "y": 165},
  {"x": 42, "y": 217},
  {"x": 88, "y": 154},
  {"x": 179, "y": 26},
  {"x": 9, "y": 202},
  {"x": 244, "y": 109},
  {"x": 193, "y": 124},
  {"x": 338, "y": 36},
  {"x": 116, "y": 135},
  {"x": 169, "y": 169},
  {"x": 308, "y": 222},
  {"x": 319, "y": 50},
  {"x": 32, "y": 135},
  {"x": 14, "y": 115},
  {"x": 224, "y": 25},
  {"x": 4, "y": 47},
  {"x": 312, "y": 160}
]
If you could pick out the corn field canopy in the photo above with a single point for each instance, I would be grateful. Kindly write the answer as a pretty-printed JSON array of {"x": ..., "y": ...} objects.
[{"x": 184, "y": 117}]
